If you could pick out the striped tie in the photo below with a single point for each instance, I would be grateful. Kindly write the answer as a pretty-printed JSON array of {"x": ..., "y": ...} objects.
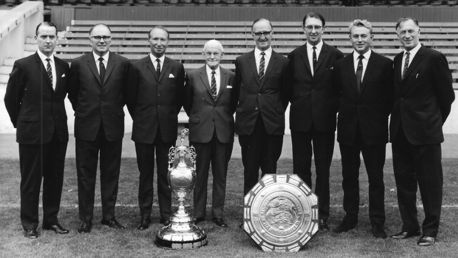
[
  {"x": 49, "y": 71},
  {"x": 262, "y": 64},
  {"x": 213, "y": 86},
  {"x": 406, "y": 64}
]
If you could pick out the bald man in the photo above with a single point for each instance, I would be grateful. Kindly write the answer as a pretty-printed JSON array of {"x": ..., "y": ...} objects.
[
  {"x": 97, "y": 85},
  {"x": 210, "y": 105}
]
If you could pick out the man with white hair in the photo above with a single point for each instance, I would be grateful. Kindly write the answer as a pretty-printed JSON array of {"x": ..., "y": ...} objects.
[{"x": 210, "y": 104}]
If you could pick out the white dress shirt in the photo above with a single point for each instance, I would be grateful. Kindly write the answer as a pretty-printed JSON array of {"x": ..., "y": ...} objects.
[
  {"x": 217, "y": 77},
  {"x": 318, "y": 46},
  {"x": 105, "y": 60},
  {"x": 257, "y": 56},
  {"x": 43, "y": 58},
  {"x": 365, "y": 60}
]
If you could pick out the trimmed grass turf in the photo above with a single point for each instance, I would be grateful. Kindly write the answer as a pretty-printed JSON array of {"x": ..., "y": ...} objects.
[{"x": 231, "y": 242}]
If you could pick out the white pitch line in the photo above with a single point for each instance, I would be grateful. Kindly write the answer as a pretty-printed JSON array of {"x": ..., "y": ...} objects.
[{"x": 15, "y": 205}]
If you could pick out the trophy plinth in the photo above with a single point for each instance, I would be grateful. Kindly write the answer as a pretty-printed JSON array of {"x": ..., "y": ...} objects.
[{"x": 181, "y": 233}]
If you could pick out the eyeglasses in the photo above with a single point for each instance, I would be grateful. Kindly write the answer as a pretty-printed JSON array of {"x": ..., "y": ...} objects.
[
  {"x": 101, "y": 37},
  {"x": 262, "y": 33},
  {"x": 311, "y": 27}
]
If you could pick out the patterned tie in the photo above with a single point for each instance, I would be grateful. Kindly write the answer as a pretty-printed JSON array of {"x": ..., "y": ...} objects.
[
  {"x": 49, "y": 70},
  {"x": 359, "y": 72},
  {"x": 158, "y": 66},
  {"x": 314, "y": 59},
  {"x": 262, "y": 64},
  {"x": 213, "y": 86},
  {"x": 406, "y": 64},
  {"x": 102, "y": 68}
]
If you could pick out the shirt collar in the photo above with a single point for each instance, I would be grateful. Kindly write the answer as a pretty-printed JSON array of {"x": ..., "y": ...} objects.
[
  {"x": 43, "y": 57},
  {"x": 268, "y": 52},
  {"x": 153, "y": 58},
  {"x": 414, "y": 50},
  {"x": 209, "y": 70},
  {"x": 318, "y": 46},
  {"x": 366, "y": 55},
  {"x": 105, "y": 56}
]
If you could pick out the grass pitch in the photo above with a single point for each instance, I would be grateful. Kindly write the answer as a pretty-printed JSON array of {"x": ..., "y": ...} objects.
[{"x": 230, "y": 242}]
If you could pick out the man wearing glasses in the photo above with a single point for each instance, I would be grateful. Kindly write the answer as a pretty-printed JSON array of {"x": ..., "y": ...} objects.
[
  {"x": 313, "y": 109},
  {"x": 260, "y": 121},
  {"x": 97, "y": 85}
]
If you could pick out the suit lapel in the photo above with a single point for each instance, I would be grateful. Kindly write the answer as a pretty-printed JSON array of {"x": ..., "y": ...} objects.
[
  {"x": 415, "y": 62},
  {"x": 222, "y": 81},
  {"x": 252, "y": 66},
  {"x": 350, "y": 70},
  {"x": 112, "y": 61},
  {"x": 270, "y": 65},
  {"x": 59, "y": 74},
  {"x": 204, "y": 79},
  {"x": 165, "y": 68},
  {"x": 91, "y": 64},
  {"x": 322, "y": 57},
  {"x": 371, "y": 63},
  {"x": 305, "y": 59}
]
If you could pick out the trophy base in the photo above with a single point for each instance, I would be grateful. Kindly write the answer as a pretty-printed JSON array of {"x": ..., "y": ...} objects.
[{"x": 177, "y": 236}]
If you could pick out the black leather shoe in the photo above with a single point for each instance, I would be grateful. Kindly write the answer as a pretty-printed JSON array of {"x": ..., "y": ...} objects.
[
  {"x": 144, "y": 224},
  {"x": 199, "y": 220},
  {"x": 164, "y": 222},
  {"x": 405, "y": 234},
  {"x": 31, "y": 233},
  {"x": 345, "y": 226},
  {"x": 426, "y": 241},
  {"x": 220, "y": 222},
  {"x": 57, "y": 228},
  {"x": 323, "y": 224},
  {"x": 112, "y": 223},
  {"x": 378, "y": 232},
  {"x": 85, "y": 227}
]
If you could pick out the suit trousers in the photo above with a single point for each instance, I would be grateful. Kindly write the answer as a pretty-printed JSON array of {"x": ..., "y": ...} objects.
[
  {"x": 418, "y": 165},
  {"x": 374, "y": 160},
  {"x": 259, "y": 150},
  {"x": 218, "y": 155},
  {"x": 145, "y": 162},
  {"x": 323, "y": 147},
  {"x": 87, "y": 153},
  {"x": 39, "y": 161}
]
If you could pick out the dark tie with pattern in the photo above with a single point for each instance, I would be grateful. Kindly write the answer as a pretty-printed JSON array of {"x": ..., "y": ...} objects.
[
  {"x": 158, "y": 66},
  {"x": 406, "y": 64},
  {"x": 102, "y": 69},
  {"x": 49, "y": 71},
  {"x": 314, "y": 59},
  {"x": 213, "y": 85},
  {"x": 262, "y": 64},
  {"x": 359, "y": 72}
]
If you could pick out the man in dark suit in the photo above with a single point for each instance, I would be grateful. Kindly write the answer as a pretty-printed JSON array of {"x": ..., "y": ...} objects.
[
  {"x": 364, "y": 82},
  {"x": 423, "y": 98},
  {"x": 34, "y": 100},
  {"x": 210, "y": 103},
  {"x": 98, "y": 81},
  {"x": 313, "y": 109},
  {"x": 155, "y": 98},
  {"x": 260, "y": 120}
]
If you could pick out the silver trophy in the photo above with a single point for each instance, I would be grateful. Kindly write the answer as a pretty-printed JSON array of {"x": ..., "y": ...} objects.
[{"x": 181, "y": 233}]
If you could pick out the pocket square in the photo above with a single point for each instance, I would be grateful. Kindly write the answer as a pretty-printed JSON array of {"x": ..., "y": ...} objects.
[
  {"x": 229, "y": 86},
  {"x": 63, "y": 75},
  {"x": 416, "y": 76},
  {"x": 171, "y": 76}
]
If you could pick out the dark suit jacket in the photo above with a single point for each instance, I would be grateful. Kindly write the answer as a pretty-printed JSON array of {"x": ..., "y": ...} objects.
[
  {"x": 366, "y": 111},
  {"x": 95, "y": 102},
  {"x": 35, "y": 109},
  {"x": 313, "y": 99},
  {"x": 266, "y": 98},
  {"x": 154, "y": 102},
  {"x": 207, "y": 116},
  {"x": 423, "y": 98}
]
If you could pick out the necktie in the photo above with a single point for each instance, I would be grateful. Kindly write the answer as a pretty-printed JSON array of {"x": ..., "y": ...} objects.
[
  {"x": 359, "y": 72},
  {"x": 213, "y": 85},
  {"x": 158, "y": 66},
  {"x": 406, "y": 64},
  {"x": 262, "y": 64},
  {"x": 49, "y": 70},
  {"x": 102, "y": 68},
  {"x": 314, "y": 59}
]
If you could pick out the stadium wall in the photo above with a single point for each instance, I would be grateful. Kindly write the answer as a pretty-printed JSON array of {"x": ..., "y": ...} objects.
[{"x": 62, "y": 15}]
